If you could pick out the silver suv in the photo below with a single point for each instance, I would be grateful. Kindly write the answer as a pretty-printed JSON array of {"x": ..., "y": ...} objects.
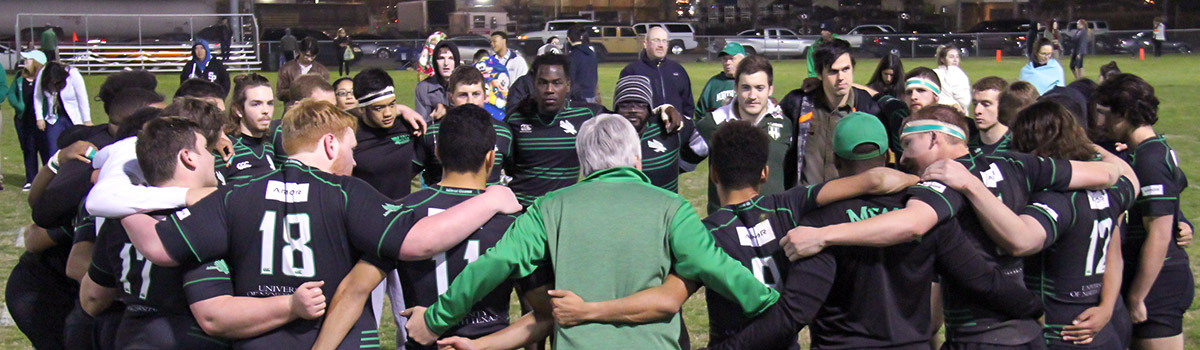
[{"x": 681, "y": 36}]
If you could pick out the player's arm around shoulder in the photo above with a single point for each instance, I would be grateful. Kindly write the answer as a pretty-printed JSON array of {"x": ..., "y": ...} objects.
[{"x": 347, "y": 304}]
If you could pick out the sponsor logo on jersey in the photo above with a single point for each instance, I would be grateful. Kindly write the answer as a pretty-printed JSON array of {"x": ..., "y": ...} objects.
[
  {"x": 773, "y": 129},
  {"x": 526, "y": 128},
  {"x": 243, "y": 165},
  {"x": 567, "y": 127},
  {"x": 992, "y": 176},
  {"x": 1152, "y": 190},
  {"x": 1053, "y": 214},
  {"x": 933, "y": 185},
  {"x": 1098, "y": 199},
  {"x": 183, "y": 213},
  {"x": 287, "y": 192},
  {"x": 656, "y": 146},
  {"x": 756, "y": 236},
  {"x": 401, "y": 139},
  {"x": 434, "y": 211}
]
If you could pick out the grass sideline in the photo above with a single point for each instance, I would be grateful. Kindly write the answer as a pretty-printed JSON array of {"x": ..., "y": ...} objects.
[{"x": 1175, "y": 89}]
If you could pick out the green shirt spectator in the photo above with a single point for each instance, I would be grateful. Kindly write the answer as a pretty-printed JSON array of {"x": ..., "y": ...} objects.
[{"x": 719, "y": 90}]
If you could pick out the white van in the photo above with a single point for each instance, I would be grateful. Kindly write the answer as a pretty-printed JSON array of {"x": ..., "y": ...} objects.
[{"x": 681, "y": 36}]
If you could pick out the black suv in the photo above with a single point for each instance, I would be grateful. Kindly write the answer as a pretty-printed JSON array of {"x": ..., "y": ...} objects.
[{"x": 1007, "y": 35}]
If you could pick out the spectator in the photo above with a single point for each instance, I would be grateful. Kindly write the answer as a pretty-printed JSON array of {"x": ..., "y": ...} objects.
[
  {"x": 888, "y": 86},
  {"x": 826, "y": 36},
  {"x": 511, "y": 59},
  {"x": 225, "y": 39},
  {"x": 1053, "y": 34},
  {"x": 719, "y": 90},
  {"x": 956, "y": 86},
  {"x": 1160, "y": 35},
  {"x": 305, "y": 63},
  {"x": 204, "y": 66},
  {"x": 1031, "y": 37},
  {"x": 671, "y": 84},
  {"x": 888, "y": 78},
  {"x": 345, "y": 51},
  {"x": 1083, "y": 41},
  {"x": 1108, "y": 71},
  {"x": 584, "y": 65},
  {"x": 1043, "y": 71},
  {"x": 60, "y": 100},
  {"x": 431, "y": 93},
  {"x": 343, "y": 92},
  {"x": 287, "y": 45},
  {"x": 20, "y": 96},
  {"x": 553, "y": 45},
  {"x": 818, "y": 110},
  {"x": 50, "y": 43}
]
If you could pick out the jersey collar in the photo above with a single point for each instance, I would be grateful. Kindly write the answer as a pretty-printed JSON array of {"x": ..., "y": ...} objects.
[{"x": 618, "y": 174}]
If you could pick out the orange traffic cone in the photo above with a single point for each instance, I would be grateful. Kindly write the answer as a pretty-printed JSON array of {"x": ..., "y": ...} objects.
[
  {"x": 998, "y": 55},
  {"x": 1142, "y": 54}
]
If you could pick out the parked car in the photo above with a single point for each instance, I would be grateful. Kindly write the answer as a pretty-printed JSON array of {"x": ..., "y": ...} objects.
[
  {"x": 469, "y": 45},
  {"x": 681, "y": 36},
  {"x": 1129, "y": 44},
  {"x": 772, "y": 41},
  {"x": 556, "y": 28},
  {"x": 918, "y": 40},
  {"x": 609, "y": 39},
  {"x": 855, "y": 35},
  {"x": 1007, "y": 35}
]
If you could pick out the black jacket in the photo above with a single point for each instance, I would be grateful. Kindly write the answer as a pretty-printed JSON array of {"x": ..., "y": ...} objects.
[
  {"x": 584, "y": 78},
  {"x": 214, "y": 72},
  {"x": 668, "y": 80}
]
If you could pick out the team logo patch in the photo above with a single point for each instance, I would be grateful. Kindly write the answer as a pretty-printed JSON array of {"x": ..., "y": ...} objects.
[
  {"x": 992, "y": 176},
  {"x": 212, "y": 76},
  {"x": 1053, "y": 214},
  {"x": 936, "y": 186},
  {"x": 243, "y": 165},
  {"x": 220, "y": 266},
  {"x": 1152, "y": 190},
  {"x": 1098, "y": 199},
  {"x": 389, "y": 208},
  {"x": 756, "y": 236},
  {"x": 287, "y": 192},
  {"x": 773, "y": 129},
  {"x": 656, "y": 146},
  {"x": 567, "y": 127},
  {"x": 526, "y": 128}
]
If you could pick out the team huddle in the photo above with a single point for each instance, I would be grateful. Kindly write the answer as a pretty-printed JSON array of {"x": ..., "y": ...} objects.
[{"x": 873, "y": 215}]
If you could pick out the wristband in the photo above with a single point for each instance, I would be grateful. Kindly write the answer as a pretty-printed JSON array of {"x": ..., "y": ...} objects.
[
  {"x": 90, "y": 153},
  {"x": 53, "y": 163}
]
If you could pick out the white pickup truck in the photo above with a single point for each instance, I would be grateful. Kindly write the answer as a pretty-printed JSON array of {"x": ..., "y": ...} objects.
[
  {"x": 556, "y": 28},
  {"x": 772, "y": 41}
]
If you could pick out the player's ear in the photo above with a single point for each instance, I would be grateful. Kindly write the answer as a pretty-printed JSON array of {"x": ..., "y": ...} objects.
[
  {"x": 187, "y": 158},
  {"x": 765, "y": 173},
  {"x": 488, "y": 161},
  {"x": 330, "y": 144}
]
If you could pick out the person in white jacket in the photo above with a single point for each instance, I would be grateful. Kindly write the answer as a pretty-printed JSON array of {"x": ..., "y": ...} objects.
[
  {"x": 60, "y": 100},
  {"x": 956, "y": 86}
]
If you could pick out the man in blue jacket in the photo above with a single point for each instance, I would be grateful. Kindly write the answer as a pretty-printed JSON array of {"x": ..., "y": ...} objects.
[
  {"x": 583, "y": 66},
  {"x": 669, "y": 81}
]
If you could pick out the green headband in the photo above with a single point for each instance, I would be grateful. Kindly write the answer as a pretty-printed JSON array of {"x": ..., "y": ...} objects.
[
  {"x": 921, "y": 83},
  {"x": 924, "y": 125}
]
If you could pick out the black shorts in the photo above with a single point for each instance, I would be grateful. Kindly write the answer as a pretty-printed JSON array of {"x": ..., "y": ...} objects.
[
  {"x": 1036, "y": 344},
  {"x": 154, "y": 331},
  {"x": 1060, "y": 313},
  {"x": 1170, "y": 296},
  {"x": 1076, "y": 61}
]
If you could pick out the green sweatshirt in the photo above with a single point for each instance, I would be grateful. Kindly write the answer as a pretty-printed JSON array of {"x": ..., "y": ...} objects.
[
  {"x": 718, "y": 91},
  {"x": 607, "y": 237}
]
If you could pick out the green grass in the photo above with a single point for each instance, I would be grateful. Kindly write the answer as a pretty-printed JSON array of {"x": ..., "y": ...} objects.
[{"x": 1172, "y": 76}]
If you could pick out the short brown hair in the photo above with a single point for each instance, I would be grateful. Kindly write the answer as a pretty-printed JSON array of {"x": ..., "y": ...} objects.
[
  {"x": 1048, "y": 129},
  {"x": 942, "y": 113},
  {"x": 1109, "y": 70},
  {"x": 159, "y": 142},
  {"x": 754, "y": 64},
  {"x": 305, "y": 85},
  {"x": 465, "y": 75},
  {"x": 990, "y": 83},
  {"x": 306, "y": 123},
  {"x": 1016, "y": 97},
  {"x": 205, "y": 114}
]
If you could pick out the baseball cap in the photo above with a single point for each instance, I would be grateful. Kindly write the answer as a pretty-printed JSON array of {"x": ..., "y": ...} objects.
[
  {"x": 35, "y": 55},
  {"x": 732, "y": 49},
  {"x": 855, "y": 129}
]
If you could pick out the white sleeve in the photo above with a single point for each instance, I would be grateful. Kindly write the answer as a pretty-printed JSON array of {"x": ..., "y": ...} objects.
[
  {"x": 116, "y": 195},
  {"x": 38, "y": 98},
  {"x": 75, "y": 81}
]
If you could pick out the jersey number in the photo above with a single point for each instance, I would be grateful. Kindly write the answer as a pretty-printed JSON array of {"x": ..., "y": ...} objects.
[
  {"x": 765, "y": 271},
  {"x": 443, "y": 272},
  {"x": 128, "y": 253},
  {"x": 1101, "y": 230},
  {"x": 293, "y": 245}
]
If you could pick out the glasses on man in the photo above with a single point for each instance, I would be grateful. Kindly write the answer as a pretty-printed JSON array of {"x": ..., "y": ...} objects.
[{"x": 658, "y": 41}]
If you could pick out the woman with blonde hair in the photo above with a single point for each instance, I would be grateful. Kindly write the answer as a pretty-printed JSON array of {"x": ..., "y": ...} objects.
[
  {"x": 956, "y": 86},
  {"x": 20, "y": 97}
]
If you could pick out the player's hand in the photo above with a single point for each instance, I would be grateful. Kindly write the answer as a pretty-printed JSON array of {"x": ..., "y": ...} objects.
[
  {"x": 503, "y": 199},
  {"x": 802, "y": 242},
  {"x": 456, "y": 343},
  {"x": 414, "y": 119},
  {"x": 1120, "y": 146},
  {"x": 569, "y": 309},
  {"x": 224, "y": 147},
  {"x": 438, "y": 112},
  {"x": 1184, "y": 238},
  {"x": 417, "y": 330},
  {"x": 1087, "y": 325},
  {"x": 888, "y": 180},
  {"x": 951, "y": 173},
  {"x": 308, "y": 301},
  {"x": 670, "y": 117},
  {"x": 1137, "y": 310},
  {"x": 41, "y": 124},
  {"x": 80, "y": 150}
]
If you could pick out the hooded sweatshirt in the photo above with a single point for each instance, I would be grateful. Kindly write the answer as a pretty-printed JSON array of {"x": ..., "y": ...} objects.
[
  {"x": 435, "y": 89},
  {"x": 208, "y": 68}
]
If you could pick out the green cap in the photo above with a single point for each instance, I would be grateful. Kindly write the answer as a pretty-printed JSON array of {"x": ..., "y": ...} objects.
[
  {"x": 732, "y": 49},
  {"x": 855, "y": 129}
]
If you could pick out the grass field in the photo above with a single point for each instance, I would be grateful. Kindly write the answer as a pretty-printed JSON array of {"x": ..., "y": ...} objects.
[{"x": 1173, "y": 77}]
